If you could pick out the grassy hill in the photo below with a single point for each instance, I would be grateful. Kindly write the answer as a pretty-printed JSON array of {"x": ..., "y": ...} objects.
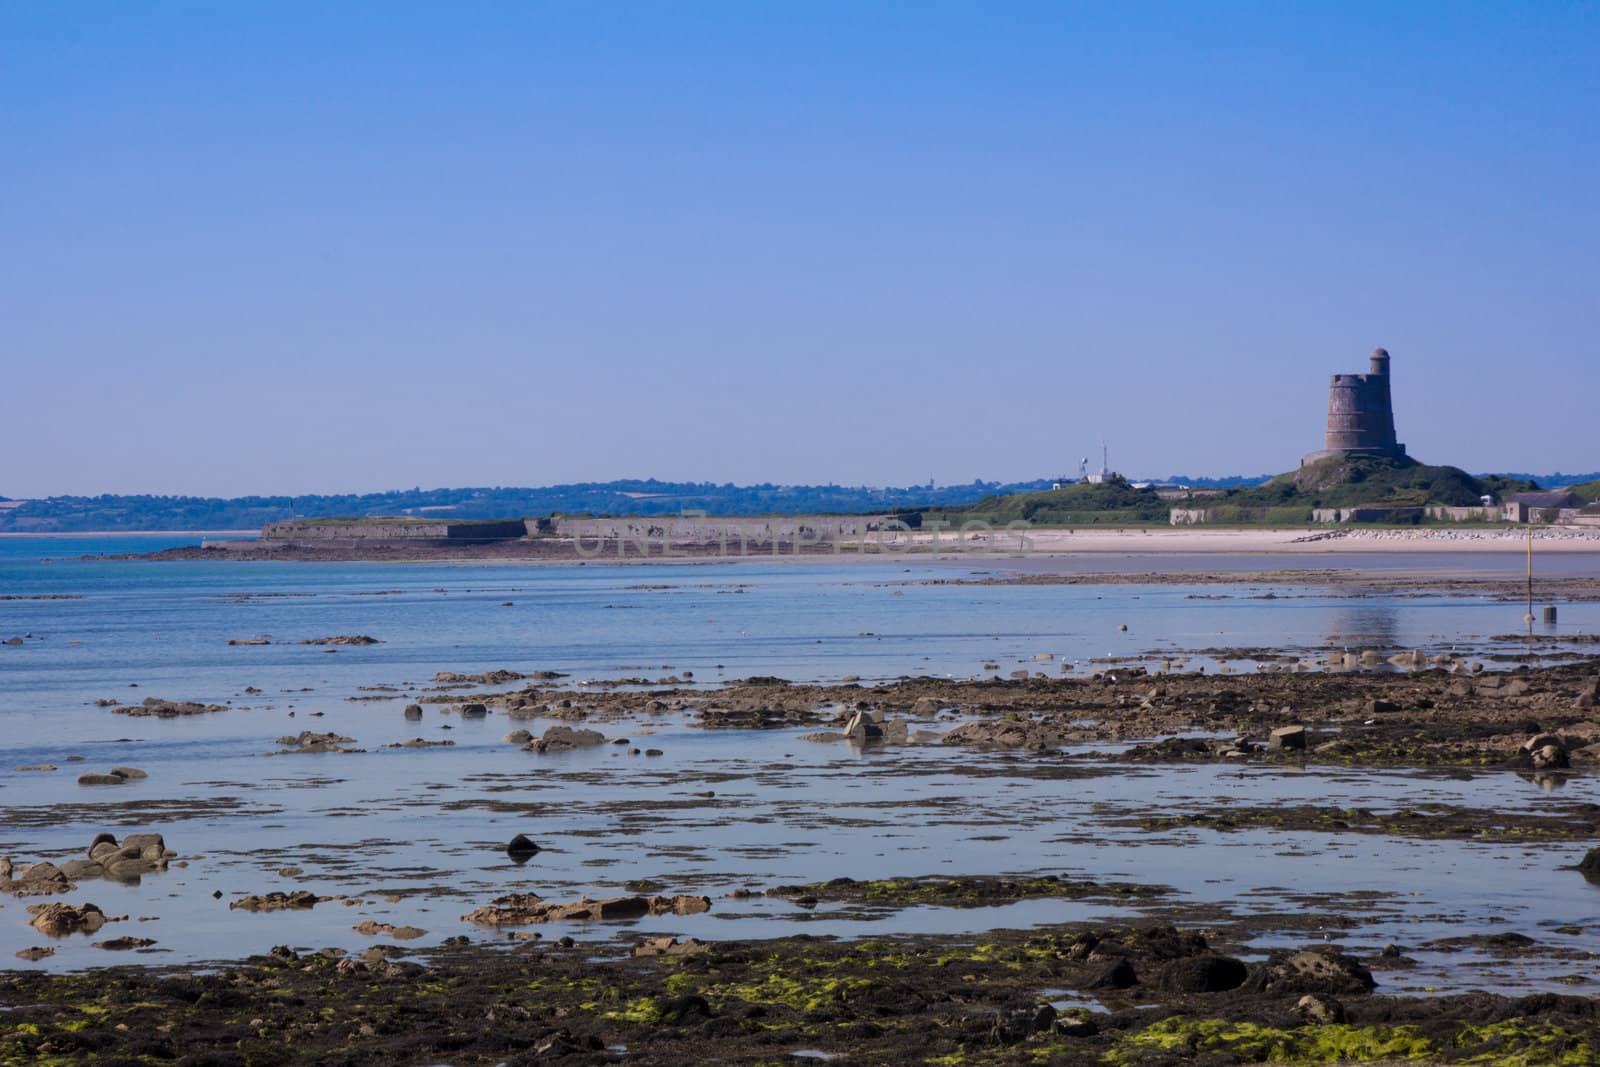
[
  {"x": 1346, "y": 481},
  {"x": 1113, "y": 502},
  {"x": 1590, "y": 491},
  {"x": 1288, "y": 499}
]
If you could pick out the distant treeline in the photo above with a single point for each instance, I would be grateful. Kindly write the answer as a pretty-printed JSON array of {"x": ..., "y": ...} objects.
[
  {"x": 79, "y": 514},
  {"x": 75, "y": 514}
]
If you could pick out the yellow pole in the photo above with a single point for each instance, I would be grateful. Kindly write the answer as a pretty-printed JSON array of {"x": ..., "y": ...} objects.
[{"x": 1529, "y": 617}]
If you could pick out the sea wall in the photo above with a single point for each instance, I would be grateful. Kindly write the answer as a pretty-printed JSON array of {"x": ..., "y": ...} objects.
[{"x": 378, "y": 530}]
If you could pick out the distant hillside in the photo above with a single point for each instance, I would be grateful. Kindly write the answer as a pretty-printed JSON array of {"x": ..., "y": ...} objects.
[
  {"x": 1590, "y": 491},
  {"x": 1113, "y": 502},
  {"x": 76, "y": 514}
]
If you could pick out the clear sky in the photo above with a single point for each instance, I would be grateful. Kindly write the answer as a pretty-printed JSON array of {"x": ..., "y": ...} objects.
[{"x": 299, "y": 247}]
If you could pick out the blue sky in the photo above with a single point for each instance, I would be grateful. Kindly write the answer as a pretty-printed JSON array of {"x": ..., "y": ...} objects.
[{"x": 299, "y": 247}]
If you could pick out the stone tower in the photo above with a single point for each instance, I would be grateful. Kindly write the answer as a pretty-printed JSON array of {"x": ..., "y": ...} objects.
[{"x": 1361, "y": 414}]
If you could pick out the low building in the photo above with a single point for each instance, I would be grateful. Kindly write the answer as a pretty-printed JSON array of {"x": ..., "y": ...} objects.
[{"x": 1540, "y": 507}]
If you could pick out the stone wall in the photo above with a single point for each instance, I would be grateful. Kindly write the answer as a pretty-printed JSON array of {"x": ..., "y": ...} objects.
[
  {"x": 357, "y": 530},
  {"x": 733, "y": 533}
]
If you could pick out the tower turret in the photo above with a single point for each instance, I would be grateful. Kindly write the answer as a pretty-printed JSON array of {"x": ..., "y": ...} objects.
[{"x": 1361, "y": 414}]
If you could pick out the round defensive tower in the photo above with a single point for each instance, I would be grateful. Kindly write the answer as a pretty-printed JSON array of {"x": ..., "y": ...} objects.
[{"x": 1361, "y": 414}]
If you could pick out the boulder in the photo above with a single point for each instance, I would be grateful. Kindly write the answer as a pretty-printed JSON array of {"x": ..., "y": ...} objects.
[
  {"x": 59, "y": 920},
  {"x": 40, "y": 880},
  {"x": 517, "y": 737},
  {"x": 1287, "y": 739},
  {"x": 1546, "y": 752},
  {"x": 1589, "y": 866},
  {"x": 413, "y": 711},
  {"x": 1202, "y": 974},
  {"x": 670, "y": 946},
  {"x": 1319, "y": 1011},
  {"x": 521, "y": 847},
  {"x": 562, "y": 738},
  {"x": 102, "y": 779},
  {"x": 1118, "y": 975},
  {"x": 132, "y": 773},
  {"x": 522, "y": 909},
  {"x": 473, "y": 711},
  {"x": 276, "y": 901},
  {"x": 146, "y": 846},
  {"x": 123, "y": 944},
  {"x": 1317, "y": 970}
]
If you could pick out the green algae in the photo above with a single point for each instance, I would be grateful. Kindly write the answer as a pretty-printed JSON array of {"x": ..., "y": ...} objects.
[
  {"x": 1525, "y": 1043},
  {"x": 1336, "y": 1043}
]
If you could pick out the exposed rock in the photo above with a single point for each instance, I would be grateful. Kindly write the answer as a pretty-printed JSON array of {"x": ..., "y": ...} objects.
[
  {"x": 1203, "y": 974},
  {"x": 1319, "y": 1011},
  {"x": 343, "y": 639},
  {"x": 400, "y": 933},
  {"x": 1546, "y": 752},
  {"x": 310, "y": 741},
  {"x": 561, "y": 738},
  {"x": 1589, "y": 866},
  {"x": 1317, "y": 970},
  {"x": 1011, "y": 733},
  {"x": 1119, "y": 975},
  {"x": 37, "y": 767},
  {"x": 102, "y": 779},
  {"x": 418, "y": 742},
  {"x": 517, "y": 737},
  {"x": 276, "y": 901},
  {"x": 258, "y": 640},
  {"x": 168, "y": 709},
  {"x": 523, "y": 909},
  {"x": 36, "y": 952},
  {"x": 473, "y": 711},
  {"x": 670, "y": 946},
  {"x": 132, "y": 773},
  {"x": 521, "y": 847},
  {"x": 123, "y": 944},
  {"x": 1287, "y": 739},
  {"x": 40, "y": 880},
  {"x": 59, "y": 920},
  {"x": 413, "y": 711}
]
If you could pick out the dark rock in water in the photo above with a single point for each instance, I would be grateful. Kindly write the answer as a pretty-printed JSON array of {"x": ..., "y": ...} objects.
[
  {"x": 129, "y": 772},
  {"x": 1546, "y": 752},
  {"x": 276, "y": 901},
  {"x": 1589, "y": 866},
  {"x": 102, "y": 779},
  {"x": 59, "y": 920},
  {"x": 413, "y": 711},
  {"x": 1317, "y": 970},
  {"x": 1203, "y": 974},
  {"x": 521, "y": 847},
  {"x": 78, "y": 870},
  {"x": 40, "y": 880},
  {"x": 558, "y": 738},
  {"x": 123, "y": 944},
  {"x": 37, "y": 952},
  {"x": 517, "y": 737},
  {"x": 343, "y": 639},
  {"x": 473, "y": 711},
  {"x": 1120, "y": 975}
]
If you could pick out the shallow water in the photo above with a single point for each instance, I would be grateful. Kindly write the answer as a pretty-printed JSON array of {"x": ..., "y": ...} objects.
[{"x": 429, "y": 826}]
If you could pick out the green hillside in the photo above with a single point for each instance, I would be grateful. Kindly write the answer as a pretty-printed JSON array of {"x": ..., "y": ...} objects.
[
  {"x": 1288, "y": 499},
  {"x": 1347, "y": 481},
  {"x": 1590, "y": 491}
]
